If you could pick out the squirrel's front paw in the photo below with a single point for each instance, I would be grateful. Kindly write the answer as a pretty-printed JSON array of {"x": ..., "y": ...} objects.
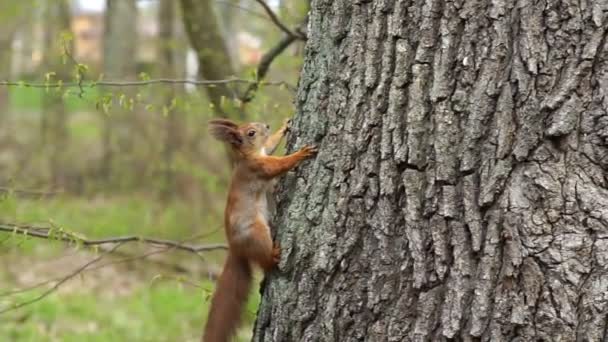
[
  {"x": 286, "y": 126},
  {"x": 309, "y": 151},
  {"x": 276, "y": 254}
]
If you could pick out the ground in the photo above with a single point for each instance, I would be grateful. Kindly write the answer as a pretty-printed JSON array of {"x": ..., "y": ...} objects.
[{"x": 121, "y": 301}]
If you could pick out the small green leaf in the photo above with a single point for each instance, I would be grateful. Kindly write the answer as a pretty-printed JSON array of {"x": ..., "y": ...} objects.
[{"x": 48, "y": 75}]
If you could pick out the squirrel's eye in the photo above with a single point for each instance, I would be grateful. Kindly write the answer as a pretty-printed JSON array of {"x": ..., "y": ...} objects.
[{"x": 251, "y": 133}]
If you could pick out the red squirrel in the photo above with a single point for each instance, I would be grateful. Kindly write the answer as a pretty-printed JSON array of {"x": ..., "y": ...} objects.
[{"x": 246, "y": 217}]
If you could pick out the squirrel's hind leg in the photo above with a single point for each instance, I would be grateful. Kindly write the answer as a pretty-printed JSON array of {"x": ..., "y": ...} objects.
[{"x": 258, "y": 246}]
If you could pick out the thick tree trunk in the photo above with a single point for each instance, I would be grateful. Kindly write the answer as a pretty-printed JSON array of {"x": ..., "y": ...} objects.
[{"x": 460, "y": 191}]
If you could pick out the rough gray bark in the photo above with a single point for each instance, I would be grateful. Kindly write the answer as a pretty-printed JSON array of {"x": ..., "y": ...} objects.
[{"x": 460, "y": 192}]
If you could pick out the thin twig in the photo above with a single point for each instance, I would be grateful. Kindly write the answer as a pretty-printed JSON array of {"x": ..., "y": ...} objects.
[
  {"x": 244, "y": 9},
  {"x": 266, "y": 61},
  {"x": 126, "y": 258},
  {"x": 59, "y": 283},
  {"x": 42, "y": 283},
  {"x": 112, "y": 250},
  {"x": 47, "y": 233},
  {"x": 31, "y": 193},
  {"x": 264, "y": 65},
  {"x": 275, "y": 19},
  {"x": 80, "y": 73},
  {"x": 139, "y": 83},
  {"x": 181, "y": 281}
]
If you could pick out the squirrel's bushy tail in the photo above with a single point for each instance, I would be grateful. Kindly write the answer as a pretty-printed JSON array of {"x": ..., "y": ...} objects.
[{"x": 228, "y": 300}]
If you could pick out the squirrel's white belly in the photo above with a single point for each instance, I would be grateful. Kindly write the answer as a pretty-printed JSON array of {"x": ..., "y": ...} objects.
[{"x": 243, "y": 220}]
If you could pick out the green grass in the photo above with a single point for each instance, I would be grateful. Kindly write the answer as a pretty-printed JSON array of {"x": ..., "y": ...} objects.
[
  {"x": 31, "y": 99},
  {"x": 85, "y": 127},
  {"x": 155, "y": 306},
  {"x": 160, "y": 312}
]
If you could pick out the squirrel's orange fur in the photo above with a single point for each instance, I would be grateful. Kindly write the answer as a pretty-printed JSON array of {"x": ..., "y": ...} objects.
[{"x": 246, "y": 217}]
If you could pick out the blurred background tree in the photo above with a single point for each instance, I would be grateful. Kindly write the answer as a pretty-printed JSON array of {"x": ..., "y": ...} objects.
[{"x": 103, "y": 105}]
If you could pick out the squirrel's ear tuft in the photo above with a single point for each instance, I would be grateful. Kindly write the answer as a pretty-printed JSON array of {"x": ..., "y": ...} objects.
[
  {"x": 223, "y": 122},
  {"x": 226, "y": 131}
]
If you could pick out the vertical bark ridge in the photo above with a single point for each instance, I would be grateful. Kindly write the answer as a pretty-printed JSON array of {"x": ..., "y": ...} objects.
[{"x": 460, "y": 191}]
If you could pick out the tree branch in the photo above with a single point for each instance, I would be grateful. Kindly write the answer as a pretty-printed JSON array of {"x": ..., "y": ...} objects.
[
  {"x": 29, "y": 193},
  {"x": 60, "y": 235},
  {"x": 264, "y": 65},
  {"x": 139, "y": 83},
  {"x": 278, "y": 23},
  {"x": 126, "y": 258},
  {"x": 244, "y": 9}
]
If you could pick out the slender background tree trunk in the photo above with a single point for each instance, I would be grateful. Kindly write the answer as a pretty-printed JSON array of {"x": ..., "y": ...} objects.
[
  {"x": 214, "y": 61},
  {"x": 119, "y": 50},
  {"x": 229, "y": 14},
  {"x": 5, "y": 73},
  {"x": 172, "y": 140},
  {"x": 460, "y": 191},
  {"x": 12, "y": 15},
  {"x": 6, "y": 41},
  {"x": 54, "y": 117}
]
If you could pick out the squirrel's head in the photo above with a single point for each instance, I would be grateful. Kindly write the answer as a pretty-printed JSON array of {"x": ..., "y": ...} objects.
[{"x": 247, "y": 138}]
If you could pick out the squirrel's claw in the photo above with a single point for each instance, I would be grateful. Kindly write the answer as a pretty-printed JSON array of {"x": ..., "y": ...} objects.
[
  {"x": 309, "y": 150},
  {"x": 286, "y": 125},
  {"x": 276, "y": 254}
]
